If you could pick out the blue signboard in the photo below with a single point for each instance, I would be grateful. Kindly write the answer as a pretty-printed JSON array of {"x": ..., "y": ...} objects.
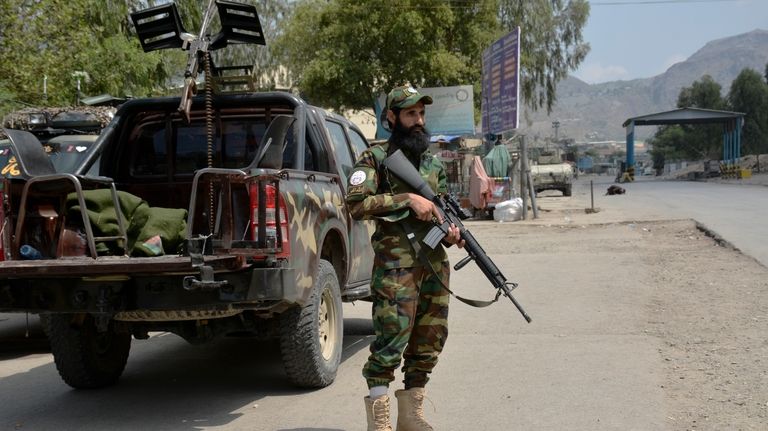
[
  {"x": 451, "y": 111},
  {"x": 501, "y": 84}
]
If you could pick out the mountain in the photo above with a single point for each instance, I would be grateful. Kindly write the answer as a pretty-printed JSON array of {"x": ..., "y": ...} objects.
[{"x": 593, "y": 112}]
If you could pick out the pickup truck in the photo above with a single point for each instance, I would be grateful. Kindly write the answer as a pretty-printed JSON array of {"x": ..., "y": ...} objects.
[{"x": 228, "y": 222}]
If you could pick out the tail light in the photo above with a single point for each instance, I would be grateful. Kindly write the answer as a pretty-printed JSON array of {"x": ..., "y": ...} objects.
[{"x": 271, "y": 217}]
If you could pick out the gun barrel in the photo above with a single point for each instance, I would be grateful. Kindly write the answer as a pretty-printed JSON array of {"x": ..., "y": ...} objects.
[
  {"x": 489, "y": 269},
  {"x": 519, "y": 307}
]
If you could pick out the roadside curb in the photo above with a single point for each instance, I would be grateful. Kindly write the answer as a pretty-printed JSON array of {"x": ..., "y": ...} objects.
[{"x": 715, "y": 236}]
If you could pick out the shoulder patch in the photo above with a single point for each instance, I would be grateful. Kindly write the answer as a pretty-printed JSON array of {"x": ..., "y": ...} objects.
[{"x": 357, "y": 178}]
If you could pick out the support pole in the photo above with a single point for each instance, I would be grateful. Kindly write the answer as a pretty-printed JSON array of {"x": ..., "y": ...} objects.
[
  {"x": 629, "y": 175},
  {"x": 532, "y": 191},
  {"x": 523, "y": 178},
  {"x": 737, "y": 125},
  {"x": 725, "y": 149}
]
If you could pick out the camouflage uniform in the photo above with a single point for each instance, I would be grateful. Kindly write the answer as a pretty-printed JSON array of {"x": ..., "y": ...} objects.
[{"x": 410, "y": 307}]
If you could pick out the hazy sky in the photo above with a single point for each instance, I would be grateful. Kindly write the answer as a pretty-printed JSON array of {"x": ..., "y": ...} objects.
[{"x": 641, "y": 38}]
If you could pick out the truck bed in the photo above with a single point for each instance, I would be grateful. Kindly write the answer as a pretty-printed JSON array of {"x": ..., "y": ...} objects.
[{"x": 111, "y": 266}]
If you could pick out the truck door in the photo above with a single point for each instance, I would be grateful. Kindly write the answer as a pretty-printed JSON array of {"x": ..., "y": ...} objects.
[{"x": 360, "y": 251}]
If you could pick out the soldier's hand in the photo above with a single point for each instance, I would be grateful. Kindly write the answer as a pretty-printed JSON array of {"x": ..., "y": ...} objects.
[
  {"x": 424, "y": 209},
  {"x": 454, "y": 236}
]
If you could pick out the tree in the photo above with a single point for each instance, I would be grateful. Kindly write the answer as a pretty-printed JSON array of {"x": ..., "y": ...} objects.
[
  {"x": 551, "y": 44},
  {"x": 62, "y": 40},
  {"x": 704, "y": 93},
  {"x": 342, "y": 53},
  {"x": 692, "y": 141},
  {"x": 766, "y": 73},
  {"x": 672, "y": 143},
  {"x": 749, "y": 94},
  {"x": 705, "y": 140},
  {"x": 95, "y": 40},
  {"x": 272, "y": 15}
]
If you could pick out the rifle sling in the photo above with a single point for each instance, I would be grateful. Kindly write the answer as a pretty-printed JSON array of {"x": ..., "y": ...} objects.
[
  {"x": 425, "y": 262},
  {"x": 385, "y": 184}
]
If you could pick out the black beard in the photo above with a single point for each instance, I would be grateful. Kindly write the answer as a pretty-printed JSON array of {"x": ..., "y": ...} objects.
[{"x": 412, "y": 140}]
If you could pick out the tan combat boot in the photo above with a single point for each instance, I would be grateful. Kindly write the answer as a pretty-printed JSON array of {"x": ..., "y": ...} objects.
[
  {"x": 410, "y": 411},
  {"x": 377, "y": 410}
]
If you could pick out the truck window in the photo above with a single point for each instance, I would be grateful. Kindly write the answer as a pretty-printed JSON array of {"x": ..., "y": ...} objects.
[
  {"x": 343, "y": 153},
  {"x": 191, "y": 148},
  {"x": 236, "y": 141},
  {"x": 151, "y": 155},
  {"x": 359, "y": 144},
  {"x": 240, "y": 140},
  {"x": 289, "y": 154}
]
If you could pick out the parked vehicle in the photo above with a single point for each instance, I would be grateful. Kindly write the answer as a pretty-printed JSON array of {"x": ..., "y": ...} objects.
[
  {"x": 552, "y": 174},
  {"x": 65, "y": 151},
  {"x": 164, "y": 227},
  {"x": 50, "y": 122}
]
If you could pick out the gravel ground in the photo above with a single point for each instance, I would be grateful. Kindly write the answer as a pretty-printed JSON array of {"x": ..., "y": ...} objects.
[{"x": 706, "y": 303}]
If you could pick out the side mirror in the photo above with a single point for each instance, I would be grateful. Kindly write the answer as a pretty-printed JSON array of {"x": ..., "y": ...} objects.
[{"x": 269, "y": 155}]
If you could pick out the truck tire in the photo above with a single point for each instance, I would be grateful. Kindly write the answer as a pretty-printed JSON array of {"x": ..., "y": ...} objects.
[
  {"x": 567, "y": 190},
  {"x": 311, "y": 336},
  {"x": 85, "y": 357}
]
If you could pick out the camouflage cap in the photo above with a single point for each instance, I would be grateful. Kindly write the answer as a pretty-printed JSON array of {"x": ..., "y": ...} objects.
[{"x": 405, "y": 96}]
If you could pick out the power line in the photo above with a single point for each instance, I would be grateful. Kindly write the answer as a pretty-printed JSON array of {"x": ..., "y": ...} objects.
[{"x": 642, "y": 2}]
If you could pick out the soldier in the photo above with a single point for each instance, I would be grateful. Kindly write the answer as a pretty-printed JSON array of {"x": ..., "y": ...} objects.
[{"x": 410, "y": 306}]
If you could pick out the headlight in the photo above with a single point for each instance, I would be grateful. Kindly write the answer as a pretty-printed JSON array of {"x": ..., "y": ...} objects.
[{"x": 37, "y": 119}]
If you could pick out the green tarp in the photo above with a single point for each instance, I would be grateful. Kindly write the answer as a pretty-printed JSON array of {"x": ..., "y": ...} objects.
[
  {"x": 152, "y": 231},
  {"x": 496, "y": 162}
]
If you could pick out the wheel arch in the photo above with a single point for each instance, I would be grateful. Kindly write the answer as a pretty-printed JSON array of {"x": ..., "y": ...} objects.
[{"x": 334, "y": 249}]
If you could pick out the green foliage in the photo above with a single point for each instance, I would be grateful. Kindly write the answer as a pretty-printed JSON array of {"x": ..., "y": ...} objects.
[
  {"x": 766, "y": 73},
  {"x": 342, "y": 53},
  {"x": 704, "y": 94},
  {"x": 658, "y": 159},
  {"x": 673, "y": 143},
  {"x": 749, "y": 94},
  {"x": 62, "y": 40},
  {"x": 703, "y": 140},
  {"x": 693, "y": 141},
  {"x": 272, "y": 15},
  {"x": 95, "y": 40},
  {"x": 551, "y": 44}
]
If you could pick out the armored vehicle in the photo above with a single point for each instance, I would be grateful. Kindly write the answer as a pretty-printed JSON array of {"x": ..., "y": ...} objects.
[{"x": 552, "y": 174}]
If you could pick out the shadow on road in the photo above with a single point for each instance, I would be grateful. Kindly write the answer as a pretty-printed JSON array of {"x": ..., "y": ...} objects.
[
  {"x": 21, "y": 335},
  {"x": 167, "y": 384}
]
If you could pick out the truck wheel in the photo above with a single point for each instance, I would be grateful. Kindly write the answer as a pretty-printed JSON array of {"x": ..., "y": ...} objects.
[
  {"x": 567, "y": 190},
  {"x": 311, "y": 336},
  {"x": 85, "y": 357}
]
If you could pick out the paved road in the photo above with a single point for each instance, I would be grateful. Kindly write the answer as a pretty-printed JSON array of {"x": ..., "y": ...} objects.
[
  {"x": 584, "y": 364},
  {"x": 736, "y": 212}
]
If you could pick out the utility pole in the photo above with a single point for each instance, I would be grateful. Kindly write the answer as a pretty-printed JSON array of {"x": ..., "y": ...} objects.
[{"x": 556, "y": 126}]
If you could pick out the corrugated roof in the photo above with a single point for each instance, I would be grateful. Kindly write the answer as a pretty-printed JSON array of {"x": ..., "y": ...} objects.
[{"x": 684, "y": 116}]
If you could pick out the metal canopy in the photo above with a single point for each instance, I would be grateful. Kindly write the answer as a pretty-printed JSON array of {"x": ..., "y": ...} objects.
[
  {"x": 732, "y": 123},
  {"x": 684, "y": 116}
]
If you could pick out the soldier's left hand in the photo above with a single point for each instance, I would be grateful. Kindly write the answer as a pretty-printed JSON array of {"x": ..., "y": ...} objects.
[{"x": 454, "y": 236}]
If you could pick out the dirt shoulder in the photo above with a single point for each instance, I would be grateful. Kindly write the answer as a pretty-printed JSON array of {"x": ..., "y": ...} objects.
[{"x": 705, "y": 303}]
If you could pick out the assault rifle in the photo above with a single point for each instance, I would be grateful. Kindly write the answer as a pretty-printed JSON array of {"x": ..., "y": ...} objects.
[{"x": 452, "y": 213}]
